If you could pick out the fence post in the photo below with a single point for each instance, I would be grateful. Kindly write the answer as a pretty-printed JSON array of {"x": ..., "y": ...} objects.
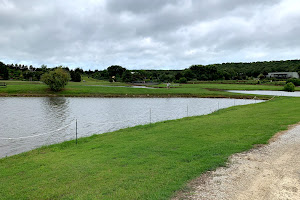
[
  {"x": 187, "y": 110},
  {"x": 150, "y": 116},
  {"x": 76, "y": 131}
]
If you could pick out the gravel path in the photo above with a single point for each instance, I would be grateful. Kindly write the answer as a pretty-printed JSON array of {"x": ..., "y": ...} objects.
[{"x": 270, "y": 172}]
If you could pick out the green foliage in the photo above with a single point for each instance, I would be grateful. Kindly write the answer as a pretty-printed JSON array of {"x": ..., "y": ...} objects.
[
  {"x": 290, "y": 87},
  {"x": 182, "y": 80},
  {"x": 188, "y": 74},
  {"x": 115, "y": 70},
  {"x": 75, "y": 76},
  {"x": 178, "y": 75},
  {"x": 3, "y": 71},
  {"x": 127, "y": 76},
  {"x": 205, "y": 73},
  {"x": 56, "y": 79},
  {"x": 295, "y": 81},
  {"x": 261, "y": 76},
  {"x": 44, "y": 68},
  {"x": 224, "y": 71}
]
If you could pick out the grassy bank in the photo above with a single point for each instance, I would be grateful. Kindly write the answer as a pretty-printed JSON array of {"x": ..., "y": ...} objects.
[
  {"x": 143, "y": 162},
  {"x": 93, "y": 88}
]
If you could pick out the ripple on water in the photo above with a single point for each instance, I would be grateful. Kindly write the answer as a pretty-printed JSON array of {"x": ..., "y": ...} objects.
[{"x": 48, "y": 120}]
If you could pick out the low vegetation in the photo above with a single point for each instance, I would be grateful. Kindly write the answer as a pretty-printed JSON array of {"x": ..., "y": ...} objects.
[{"x": 143, "y": 162}]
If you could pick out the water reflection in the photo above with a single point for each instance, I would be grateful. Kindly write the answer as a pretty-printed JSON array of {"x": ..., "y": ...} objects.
[{"x": 56, "y": 109}]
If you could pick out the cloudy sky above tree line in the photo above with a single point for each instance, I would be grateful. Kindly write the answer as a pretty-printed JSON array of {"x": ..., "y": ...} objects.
[{"x": 143, "y": 34}]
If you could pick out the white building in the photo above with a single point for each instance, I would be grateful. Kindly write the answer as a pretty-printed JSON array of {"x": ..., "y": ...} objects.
[{"x": 282, "y": 75}]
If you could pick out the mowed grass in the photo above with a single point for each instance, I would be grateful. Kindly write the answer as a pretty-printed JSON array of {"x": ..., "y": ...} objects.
[
  {"x": 143, "y": 162},
  {"x": 96, "y": 88}
]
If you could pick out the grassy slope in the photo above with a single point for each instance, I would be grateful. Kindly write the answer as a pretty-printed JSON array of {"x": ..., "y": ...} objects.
[
  {"x": 95, "y": 88},
  {"x": 144, "y": 162}
]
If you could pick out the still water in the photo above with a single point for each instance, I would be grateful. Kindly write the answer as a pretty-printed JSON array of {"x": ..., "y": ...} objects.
[
  {"x": 267, "y": 92},
  {"x": 28, "y": 123}
]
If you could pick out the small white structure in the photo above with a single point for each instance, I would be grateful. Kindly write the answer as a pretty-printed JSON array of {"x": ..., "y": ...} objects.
[{"x": 283, "y": 75}]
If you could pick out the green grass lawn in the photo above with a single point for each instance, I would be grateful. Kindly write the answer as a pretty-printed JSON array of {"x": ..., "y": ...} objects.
[
  {"x": 95, "y": 88},
  {"x": 143, "y": 162}
]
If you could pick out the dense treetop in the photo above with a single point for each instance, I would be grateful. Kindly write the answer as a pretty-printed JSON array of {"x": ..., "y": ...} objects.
[{"x": 224, "y": 71}]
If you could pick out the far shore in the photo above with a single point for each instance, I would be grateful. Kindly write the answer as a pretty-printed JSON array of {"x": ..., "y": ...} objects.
[{"x": 135, "y": 96}]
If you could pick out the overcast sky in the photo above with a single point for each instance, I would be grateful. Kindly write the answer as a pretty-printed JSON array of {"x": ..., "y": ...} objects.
[{"x": 147, "y": 34}]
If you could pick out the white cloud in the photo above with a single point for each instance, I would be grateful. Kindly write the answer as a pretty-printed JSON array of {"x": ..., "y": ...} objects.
[{"x": 95, "y": 34}]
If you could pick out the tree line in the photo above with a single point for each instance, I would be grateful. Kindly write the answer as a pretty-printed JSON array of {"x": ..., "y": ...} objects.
[{"x": 224, "y": 71}]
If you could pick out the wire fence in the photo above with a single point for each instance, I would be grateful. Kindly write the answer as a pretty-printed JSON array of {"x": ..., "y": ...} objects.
[
  {"x": 32, "y": 136},
  {"x": 87, "y": 128},
  {"x": 150, "y": 114}
]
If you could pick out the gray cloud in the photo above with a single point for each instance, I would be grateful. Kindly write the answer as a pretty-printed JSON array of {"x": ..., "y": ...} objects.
[{"x": 170, "y": 34}]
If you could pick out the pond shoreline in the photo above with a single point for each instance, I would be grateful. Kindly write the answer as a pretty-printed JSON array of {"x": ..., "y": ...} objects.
[
  {"x": 138, "y": 96},
  {"x": 32, "y": 122}
]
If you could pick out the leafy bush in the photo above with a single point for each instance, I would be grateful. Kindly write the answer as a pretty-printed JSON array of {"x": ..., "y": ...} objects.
[
  {"x": 182, "y": 80},
  {"x": 295, "y": 81},
  {"x": 56, "y": 79},
  {"x": 290, "y": 87}
]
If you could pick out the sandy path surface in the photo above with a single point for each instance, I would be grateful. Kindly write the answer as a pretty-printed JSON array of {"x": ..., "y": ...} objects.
[{"x": 270, "y": 172}]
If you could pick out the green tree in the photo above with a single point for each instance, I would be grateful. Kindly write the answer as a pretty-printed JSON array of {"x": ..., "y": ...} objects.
[
  {"x": 75, "y": 76},
  {"x": 178, "y": 75},
  {"x": 261, "y": 76},
  {"x": 188, "y": 74},
  {"x": 127, "y": 76},
  {"x": 44, "y": 68},
  {"x": 295, "y": 81},
  {"x": 3, "y": 71},
  {"x": 290, "y": 87},
  {"x": 115, "y": 70},
  {"x": 56, "y": 79},
  {"x": 182, "y": 80}
]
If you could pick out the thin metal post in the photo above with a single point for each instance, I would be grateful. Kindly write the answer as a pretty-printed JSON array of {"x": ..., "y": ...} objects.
[
  {"x": 187, "y": 110},
  {"x": 150, "y": 116},
  {"x": 76, "y": 131}
]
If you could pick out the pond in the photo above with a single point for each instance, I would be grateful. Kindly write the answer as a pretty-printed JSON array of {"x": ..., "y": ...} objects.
[
  {"x": 267, "y": 92},
  {"x": 28, "y": 123}
]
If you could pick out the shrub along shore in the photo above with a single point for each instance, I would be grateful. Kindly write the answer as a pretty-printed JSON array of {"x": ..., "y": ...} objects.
[{"x": 144, "y": 162}]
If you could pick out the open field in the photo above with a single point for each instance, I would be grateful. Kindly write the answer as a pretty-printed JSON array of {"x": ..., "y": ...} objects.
[
  {"x": 143, "y": 162},
  {"x": 95, "y": 88}
]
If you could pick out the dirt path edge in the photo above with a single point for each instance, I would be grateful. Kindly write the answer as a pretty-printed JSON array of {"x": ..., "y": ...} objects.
[{"x": 242, "y": 169}]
